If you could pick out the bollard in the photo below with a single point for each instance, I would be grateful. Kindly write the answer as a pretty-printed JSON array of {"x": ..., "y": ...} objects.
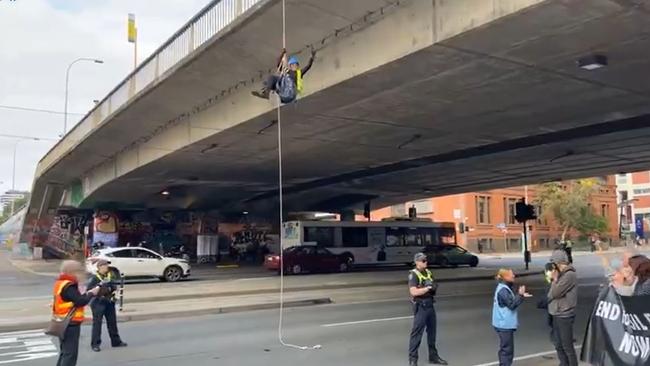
[{"x": 121, "y": 292}]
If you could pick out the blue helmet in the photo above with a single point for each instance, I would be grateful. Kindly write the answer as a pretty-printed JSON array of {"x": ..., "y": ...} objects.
[{"x": 293, "y": 60}]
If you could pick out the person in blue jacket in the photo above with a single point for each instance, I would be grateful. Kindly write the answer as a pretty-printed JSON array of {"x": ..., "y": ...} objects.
[{"x": 504, "y": 314}]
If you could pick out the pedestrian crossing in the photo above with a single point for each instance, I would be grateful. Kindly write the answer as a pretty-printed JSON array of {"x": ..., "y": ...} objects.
[{"x": 23, "y": 346}]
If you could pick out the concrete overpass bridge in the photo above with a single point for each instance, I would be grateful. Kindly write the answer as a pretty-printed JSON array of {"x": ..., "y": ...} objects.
[{"x": 406, "y": 99}]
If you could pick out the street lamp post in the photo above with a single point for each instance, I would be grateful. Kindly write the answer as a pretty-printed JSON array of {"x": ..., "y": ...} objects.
[{"x": 67, "y": 81}]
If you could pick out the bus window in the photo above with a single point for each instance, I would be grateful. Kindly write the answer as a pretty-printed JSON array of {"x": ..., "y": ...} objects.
[
  {"x": 322, "y": 236},
  {"x": 355, "y": 237},
  {"x": 412, "y": 237},
  {"x": 447, "y": 236},
  {"x": 393, "y": 237}
]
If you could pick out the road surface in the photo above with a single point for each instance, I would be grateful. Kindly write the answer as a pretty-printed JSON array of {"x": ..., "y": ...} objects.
[{"x": 366, "y": 333}]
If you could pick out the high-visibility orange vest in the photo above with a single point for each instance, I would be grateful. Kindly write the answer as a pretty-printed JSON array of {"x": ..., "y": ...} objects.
[{"x": 61, "y": 308}]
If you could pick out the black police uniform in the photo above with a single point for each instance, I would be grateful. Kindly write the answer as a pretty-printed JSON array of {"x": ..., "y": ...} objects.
[
  {"x": 424, "y": 316},
  {"x": 103, "y": 306}
]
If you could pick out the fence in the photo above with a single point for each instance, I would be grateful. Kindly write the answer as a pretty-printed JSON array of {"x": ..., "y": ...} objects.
[{"x": 213, "y": 18}]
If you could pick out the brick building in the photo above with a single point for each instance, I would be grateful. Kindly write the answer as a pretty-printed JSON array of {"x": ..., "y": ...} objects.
[{"x": 488, "y": 217}]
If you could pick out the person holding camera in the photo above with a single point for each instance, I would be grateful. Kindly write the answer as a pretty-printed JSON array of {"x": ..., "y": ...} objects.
[
  {"x": 423, "y": 289},
  {"x": 504, "y": 313},
  {"x": 562, "y": 301},
  {"x": 103, "y": 306},
  {"x": 69, "y": 301}
]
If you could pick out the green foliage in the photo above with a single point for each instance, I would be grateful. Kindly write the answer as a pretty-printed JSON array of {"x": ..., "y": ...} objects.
[{"x": 568, "y": 204}]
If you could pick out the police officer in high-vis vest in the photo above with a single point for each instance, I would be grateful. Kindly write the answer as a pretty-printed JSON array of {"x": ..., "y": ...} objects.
[
  {"x": 67, "y": 298},
  {"x": 104, "y": 307},
  {"x": 423, "y": 289}
]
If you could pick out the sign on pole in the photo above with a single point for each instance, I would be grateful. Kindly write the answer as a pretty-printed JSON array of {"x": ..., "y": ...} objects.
[{"x": 131, "y": 30}]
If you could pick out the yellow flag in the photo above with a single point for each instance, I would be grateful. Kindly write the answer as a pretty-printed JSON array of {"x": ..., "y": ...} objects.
[{"x": 131, "y": 30}]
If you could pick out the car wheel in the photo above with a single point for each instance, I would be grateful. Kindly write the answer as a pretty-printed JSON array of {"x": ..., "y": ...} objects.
[
  {"x": 296, "y": 269},
  {"x": 172, "y": 274},
  {"x": 473, "y": 262},
  {"x": 344, "y": 266}
]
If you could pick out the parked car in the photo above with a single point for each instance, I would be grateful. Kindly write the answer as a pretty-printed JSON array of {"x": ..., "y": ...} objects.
[
  {"x": 308, "y": 258},
  {"x": 140, "y": 262},
  {"x": 449, "y": 255}
]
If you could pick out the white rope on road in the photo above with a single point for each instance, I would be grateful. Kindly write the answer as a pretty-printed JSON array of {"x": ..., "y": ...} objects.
[{"x": 280, "y": 198}]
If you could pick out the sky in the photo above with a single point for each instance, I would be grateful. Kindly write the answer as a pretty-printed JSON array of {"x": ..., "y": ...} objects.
[{"x": 39, "y": 39}]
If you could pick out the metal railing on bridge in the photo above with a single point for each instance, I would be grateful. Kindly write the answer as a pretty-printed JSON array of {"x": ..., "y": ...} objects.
[{"x": 202, "y": 27}]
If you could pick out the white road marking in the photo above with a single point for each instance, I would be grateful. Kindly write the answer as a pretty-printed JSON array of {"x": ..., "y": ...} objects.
[
  {"x": 253, "y": 279},
  {"x": 367, "y": 321},
  {"x": 525, "y": 357},
  {"x": 24, "y": 346}
]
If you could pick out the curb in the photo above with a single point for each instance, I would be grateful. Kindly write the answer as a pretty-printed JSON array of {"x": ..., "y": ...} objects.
[
  {"x": 31, "y": 271},
  {"x": 311, "y": 288},
  {"x": 180, "y": 313}
]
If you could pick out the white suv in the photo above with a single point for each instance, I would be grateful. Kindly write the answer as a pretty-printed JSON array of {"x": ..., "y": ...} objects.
[{"x": 140, "y": 262}]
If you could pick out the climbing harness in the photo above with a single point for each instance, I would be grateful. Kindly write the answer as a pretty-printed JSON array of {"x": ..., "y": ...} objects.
[{"x": 280, "y": 198}]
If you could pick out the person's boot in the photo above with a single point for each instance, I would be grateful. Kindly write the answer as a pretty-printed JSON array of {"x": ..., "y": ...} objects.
[
  {"x": 436, "y": 360},
  {"x": 264, "y": 93},
  {"x": 96, "y": 348},
  {"x": 413, "y": 362}
]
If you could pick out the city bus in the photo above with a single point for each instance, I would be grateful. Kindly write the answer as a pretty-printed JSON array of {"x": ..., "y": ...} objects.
[{"x": 365, "y": 243}]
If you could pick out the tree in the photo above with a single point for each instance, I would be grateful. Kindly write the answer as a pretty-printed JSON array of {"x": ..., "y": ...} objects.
[{"x": 568, "y": 204}]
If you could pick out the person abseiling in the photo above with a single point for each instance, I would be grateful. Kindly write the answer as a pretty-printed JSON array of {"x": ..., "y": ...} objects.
[
  {"x": 423, "y": 289},
  {"x": 66, "y": 298},
  {"x": 288, "y": 70},
  {"x": 103, "y": 306},
  {"x": 504, "y": 314}
]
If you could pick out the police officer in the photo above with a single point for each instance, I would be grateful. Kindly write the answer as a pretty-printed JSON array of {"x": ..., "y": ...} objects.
[
  {"x": 422, "y": 290},
  {"x": 103, "y": 306}
]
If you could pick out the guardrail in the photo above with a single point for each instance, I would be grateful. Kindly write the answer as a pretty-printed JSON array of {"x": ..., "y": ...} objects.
[{"x": 214, "y": 17}]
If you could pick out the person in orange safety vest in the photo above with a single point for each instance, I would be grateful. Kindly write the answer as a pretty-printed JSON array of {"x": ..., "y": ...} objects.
[{"x": 68, "y": 298}]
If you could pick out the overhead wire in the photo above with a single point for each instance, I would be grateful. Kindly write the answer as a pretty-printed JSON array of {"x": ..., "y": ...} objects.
[{"x": 37, "y": 110}]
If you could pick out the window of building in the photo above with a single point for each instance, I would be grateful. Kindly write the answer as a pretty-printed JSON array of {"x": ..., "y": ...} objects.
[
  {"x": 514, "y": 245},
  {"x": 543, "y": 243},
  {"x": 354, "y": 237},
  {"x": 623, "y": 195},
  {"x": 483, "y": 209},
  {"x": 485, "y": 244},
  {"x": 322, "y": 236},
  {"x": 510, "y": 205},
  {"x": 423, "y": 206},
  {"x": 541, "y": 219},
  {"x": 604, "y": 210},
  {"x": 641, "y": 191}
]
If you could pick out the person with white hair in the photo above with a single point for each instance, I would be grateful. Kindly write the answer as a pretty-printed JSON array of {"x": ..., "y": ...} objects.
[{"x": 69, "y": 302}]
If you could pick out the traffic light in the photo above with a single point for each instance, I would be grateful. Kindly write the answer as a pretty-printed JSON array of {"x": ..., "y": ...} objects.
[
  {"x": 413, "y": 212},
  {"x": 524, "y": 212},
  {"x": 366, "y": 210}
]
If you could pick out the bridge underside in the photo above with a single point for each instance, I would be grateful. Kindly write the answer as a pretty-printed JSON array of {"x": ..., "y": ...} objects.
[{"x": 501, "y": 105}]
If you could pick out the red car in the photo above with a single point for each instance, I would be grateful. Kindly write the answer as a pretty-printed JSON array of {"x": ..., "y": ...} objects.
[{"x": 301, "y": 259}]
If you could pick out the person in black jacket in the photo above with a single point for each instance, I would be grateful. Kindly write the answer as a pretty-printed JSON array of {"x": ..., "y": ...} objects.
[
  {"x": 68, "y": 298},
  {"x": 104, "y": 307}
]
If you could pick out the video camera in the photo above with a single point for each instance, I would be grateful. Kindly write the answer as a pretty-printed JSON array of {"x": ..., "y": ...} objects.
[{"x": 548, "y": 271}]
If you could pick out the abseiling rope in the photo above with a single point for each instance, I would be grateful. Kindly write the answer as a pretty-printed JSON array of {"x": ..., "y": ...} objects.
[{"x": 280, "y": 198}]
